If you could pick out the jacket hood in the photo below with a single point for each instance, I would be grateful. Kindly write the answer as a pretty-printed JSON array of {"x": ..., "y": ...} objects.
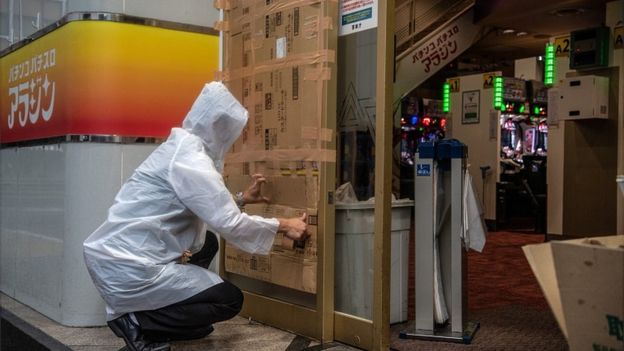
[{"x": 218, "y": 119}]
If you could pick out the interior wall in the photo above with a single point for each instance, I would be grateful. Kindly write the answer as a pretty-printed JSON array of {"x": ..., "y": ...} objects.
[
  {"x": 568, "y": 212},
  {"x": 590, "y": 198},
  {"x": 556, "y": 159},
  {"x": 480, "y": 138},
  {"x": 614, "y": 18}
]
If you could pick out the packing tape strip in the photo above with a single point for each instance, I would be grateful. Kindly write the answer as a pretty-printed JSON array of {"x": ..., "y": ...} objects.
[
  {"x": 320, "y": 155},
  {"x": 222, "y": 5},
  {"x": 220, "y": 76},
  {"x": 222, "y": 26},
  {"x": 321, "y": 73},
  {"x": 314, "y": 133},
  {"x": 327, "y": 23},
  {"x": 260, "y": 10},
  {"x": 309, "y": 58}
]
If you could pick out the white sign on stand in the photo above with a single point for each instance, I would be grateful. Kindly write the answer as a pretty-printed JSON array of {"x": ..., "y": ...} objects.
[{"x": 357, "y": 15}]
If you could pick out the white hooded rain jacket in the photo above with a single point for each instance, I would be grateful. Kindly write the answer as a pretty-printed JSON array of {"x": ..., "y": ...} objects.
[{"x": 160, "y": 211}]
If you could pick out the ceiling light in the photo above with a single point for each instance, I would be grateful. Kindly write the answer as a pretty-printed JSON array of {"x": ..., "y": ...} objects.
[
  {"x": 509, "y": 31},
  {"x": 521, "y": 34},
  {"x": 567, "y": 12}
]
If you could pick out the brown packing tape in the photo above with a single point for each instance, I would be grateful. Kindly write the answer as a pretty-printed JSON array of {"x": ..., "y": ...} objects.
[
  {"x": 314, "y": 133},
  {"x": 327, "y": 23},
  {"x": 259, "y": 8},
  {"x": 219, "y": 76},
  {"x": 326, "y": 134},
  {"x": 321, "y": 73},
  {"x": 308, "y": 58},
  {"x": 222, "y": 5},
  {"x": 283, "y": 155},
  {"x": 222, "y": 26}
]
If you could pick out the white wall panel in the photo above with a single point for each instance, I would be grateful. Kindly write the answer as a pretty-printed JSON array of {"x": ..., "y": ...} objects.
[
  {"x": 52, "y": 198},
  {"x": 39, "y": 232},
  {"x": 482, "y": 149},
  {"x": 8, "y": 218},
  {"x": 93, "y": 179}
]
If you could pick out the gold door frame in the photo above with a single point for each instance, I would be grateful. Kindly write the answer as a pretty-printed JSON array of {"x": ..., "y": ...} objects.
[
  {"x": 363, "y": 333},
  {"x": 324, "y": 323}
]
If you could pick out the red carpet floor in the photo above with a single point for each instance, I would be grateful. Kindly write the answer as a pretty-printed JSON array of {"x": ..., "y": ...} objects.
[{"x": 501, "y": 276}]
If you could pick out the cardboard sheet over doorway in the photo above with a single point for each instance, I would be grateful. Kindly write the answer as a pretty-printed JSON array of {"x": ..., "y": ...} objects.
[
  {"x": 277, "y": 64},
  {"x": 583, "y": 281}
]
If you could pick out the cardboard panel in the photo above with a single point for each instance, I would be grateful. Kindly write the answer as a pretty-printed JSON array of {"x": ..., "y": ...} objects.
[
  {"x": 290, "y": 264},
  {"x": 583, "y": 281},
  {"x": 277, "y": 64}
]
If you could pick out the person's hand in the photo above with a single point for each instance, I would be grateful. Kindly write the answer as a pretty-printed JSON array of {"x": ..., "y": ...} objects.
[
  {"x": 294, "y": 228},
  {"x": 253, "y": 194},
  {"x": 186, "y": 257}
]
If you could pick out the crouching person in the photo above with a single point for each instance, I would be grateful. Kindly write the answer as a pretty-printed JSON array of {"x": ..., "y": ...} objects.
[{"x": 149, "y": 258}]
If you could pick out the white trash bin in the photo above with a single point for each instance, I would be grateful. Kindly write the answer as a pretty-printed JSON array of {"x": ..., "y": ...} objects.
[{"x": 355, "y": 225}]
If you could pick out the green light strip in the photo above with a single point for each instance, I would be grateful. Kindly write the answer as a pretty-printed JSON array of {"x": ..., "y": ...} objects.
[
  {"x": 549, "y": 64},
  {"x": 446, "y": 97},
  {"x": 498, "y": 93}
]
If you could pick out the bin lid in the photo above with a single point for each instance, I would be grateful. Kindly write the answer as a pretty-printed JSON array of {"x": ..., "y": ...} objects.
[{"x": 363, "y": 205}]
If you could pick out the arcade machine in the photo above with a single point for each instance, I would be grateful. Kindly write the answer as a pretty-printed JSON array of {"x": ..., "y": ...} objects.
[
  {"x": 523, "y": 146},
  {"x": 422, "y": 120}
]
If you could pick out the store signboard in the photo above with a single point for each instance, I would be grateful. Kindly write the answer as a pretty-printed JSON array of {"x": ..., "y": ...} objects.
[
  {"x": 562, "y": 46},
  {"x": 357, "y": 15},
  {"x": 103, "y": 78},
  {"x": 437, "y": 50},
  {"x": 470, "y": 107}
]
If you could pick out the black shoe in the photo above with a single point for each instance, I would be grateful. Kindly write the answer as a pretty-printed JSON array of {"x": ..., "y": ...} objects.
[{"x": 125, "y": 328}]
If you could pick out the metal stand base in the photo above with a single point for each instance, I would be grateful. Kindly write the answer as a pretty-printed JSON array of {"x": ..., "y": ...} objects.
[{"x": 444, "y": 334}]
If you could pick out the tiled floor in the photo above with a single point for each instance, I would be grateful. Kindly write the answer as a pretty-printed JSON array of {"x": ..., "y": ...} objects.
[{"x": 235, "y": 334}]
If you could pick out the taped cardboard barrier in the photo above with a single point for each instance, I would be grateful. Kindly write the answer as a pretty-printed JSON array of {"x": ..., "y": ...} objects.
[
  {"x": 222, "y": 26},
  {"x": 323, "y": 134},
  {"x": 327, "y": 23},
  {"x": 257, "y": 8},
  {"x": 313, "y": 58},
  {"x": 276, "y": 65},
  {"x": 222, "y": 5},
  {"x": 286, "y": 265},
  {"x": 321, "y": 73},
  {"x": 293, "y": 191},
  {"x": 295, "y": 29},
  {"x": 283, "y": 155},
  {"x": 281, "y": 105}
]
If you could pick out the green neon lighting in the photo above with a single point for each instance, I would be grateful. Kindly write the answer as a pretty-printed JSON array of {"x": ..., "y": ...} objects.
[
  {"x": 498, "y": 93},
  {"x": 549, "y": 64},
  {"x": 446, "y": 98},
  {"x": 522, "y": 108},
  {"x": 536, "y": 110}
]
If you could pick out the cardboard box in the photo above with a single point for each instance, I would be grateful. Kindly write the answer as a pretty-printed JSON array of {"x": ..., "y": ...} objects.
[
  {"x": 298, "y": 191},
  {"x": 289, "y": 264},
  {"x": 583, "y": 281}
]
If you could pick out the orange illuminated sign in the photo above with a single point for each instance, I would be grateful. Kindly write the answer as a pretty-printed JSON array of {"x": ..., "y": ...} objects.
[{"x": 103, "y": 78}]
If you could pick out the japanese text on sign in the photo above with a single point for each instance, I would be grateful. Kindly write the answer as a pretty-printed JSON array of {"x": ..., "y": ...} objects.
[
  {"x": 30, "y": 91},
  {"x": 437, "y": 50}
]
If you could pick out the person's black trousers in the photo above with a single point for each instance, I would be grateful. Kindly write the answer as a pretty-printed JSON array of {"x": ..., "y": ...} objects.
[{"x": 193, "y": 317}]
